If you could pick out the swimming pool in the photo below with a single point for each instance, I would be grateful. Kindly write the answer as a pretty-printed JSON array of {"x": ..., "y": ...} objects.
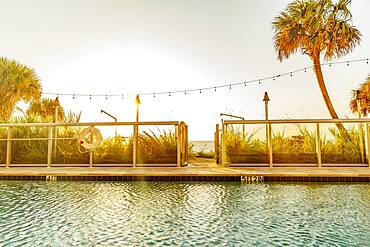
[{"x": 183, "y": 214}]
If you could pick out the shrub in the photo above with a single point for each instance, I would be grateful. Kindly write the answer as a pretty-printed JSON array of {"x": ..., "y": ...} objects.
[
  {"x": 344, "y": 148},
  {"x": 152, "y": 148}
]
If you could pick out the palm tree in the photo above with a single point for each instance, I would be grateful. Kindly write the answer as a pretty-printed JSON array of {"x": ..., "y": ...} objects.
[
  {"x": 316, "y": 28},
  {"x": 363, "y": 93},
  {"x": 17, "y": 82},
  {"x": 45, "y": 108}
]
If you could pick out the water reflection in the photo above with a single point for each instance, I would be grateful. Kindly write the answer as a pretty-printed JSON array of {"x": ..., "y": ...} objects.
[{"x": 199, "y": 213}]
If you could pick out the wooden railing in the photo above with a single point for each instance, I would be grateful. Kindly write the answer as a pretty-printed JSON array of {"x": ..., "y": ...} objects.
[
  {"x": 181, "y": 132},
  {"x": 364, "y": 138}
]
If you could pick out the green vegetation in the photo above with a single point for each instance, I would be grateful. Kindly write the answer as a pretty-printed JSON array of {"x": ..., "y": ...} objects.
[
  {"x": 35, "y": 151},
  {"x": 316, "y": 28},
  {"x": 204, "y": 154},
  {"x": 153, "y": 148},
  {"x": 45, "y": 108},
  {"x": 160, "y": 148},
  {"x": 200, "y": 154},
  {"x": 295, "y": 149},
  {"x": 244, "y": 148},
  {"x": 364, "y": 97},
  {"x": 114, "y": 150},
  {"x": 17, "y": 83}
]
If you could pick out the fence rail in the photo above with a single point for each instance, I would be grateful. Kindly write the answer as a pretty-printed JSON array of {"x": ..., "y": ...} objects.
[
  {"x": 296, "y": 121},
  {"x": 181, "y": 135},
  {"x": 364, "y": 137},
  {"x": 5, "y": 125}
]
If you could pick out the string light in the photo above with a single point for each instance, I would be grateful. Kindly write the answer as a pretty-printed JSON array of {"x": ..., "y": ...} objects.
[{"x": 290, "y": 73}]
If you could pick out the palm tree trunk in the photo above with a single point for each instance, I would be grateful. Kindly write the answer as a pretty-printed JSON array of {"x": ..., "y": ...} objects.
[{"x": 324, "y": 91}]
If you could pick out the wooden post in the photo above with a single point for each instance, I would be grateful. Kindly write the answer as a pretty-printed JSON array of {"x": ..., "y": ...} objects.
[
  {"x": 243, "y": 131},
  {"x": 318, "y": 145},
  {"x": 269, "y": 138},
  {"x": 368, "y": 143},
  {"x": 217, "y": 144},
  {"x": 91, "y": 157},
  {"x": 56, "y": 132},
  {"x": 9, "y": 148},
  {"x": 91, "y": 152},
  {"x": 360, "y": 132},
  {"x": 178, "y": 141},
  {"x": 223, "y": 144},
  {"x": 266, "y": 99},
  {"x": 183, "y": 145},
  {"x": 50, "y": 146},
  {"x": 186, "y": 144},
  {"x": 134, "y": 146},
  {"x": 136, "y": 133}
]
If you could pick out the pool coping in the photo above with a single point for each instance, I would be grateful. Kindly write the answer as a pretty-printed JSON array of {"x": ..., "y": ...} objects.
[{"x": 288, "y": 174}]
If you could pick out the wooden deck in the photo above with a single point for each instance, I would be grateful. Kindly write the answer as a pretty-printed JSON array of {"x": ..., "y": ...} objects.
[{"x": 188, "y": 171}]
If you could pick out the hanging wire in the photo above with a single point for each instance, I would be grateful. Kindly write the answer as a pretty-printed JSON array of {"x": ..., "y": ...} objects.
[{"x": 260, "y": 80}]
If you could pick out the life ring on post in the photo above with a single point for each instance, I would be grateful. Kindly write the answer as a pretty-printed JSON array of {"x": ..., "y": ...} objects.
[{"x": 90, "y": 138}]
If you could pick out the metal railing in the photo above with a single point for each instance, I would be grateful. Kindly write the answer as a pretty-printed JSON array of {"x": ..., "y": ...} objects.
[
  {"x": 363, "y": 140},
  {"x": 181, "y": 133}
]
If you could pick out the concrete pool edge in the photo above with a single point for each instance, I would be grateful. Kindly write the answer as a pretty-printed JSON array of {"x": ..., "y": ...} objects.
[{"x": 283, "y": 174}]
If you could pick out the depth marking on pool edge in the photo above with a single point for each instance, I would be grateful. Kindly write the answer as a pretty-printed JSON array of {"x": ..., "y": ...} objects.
[
  {"x": 51, "y": 178},
  {"x": 251, "y": 179}
]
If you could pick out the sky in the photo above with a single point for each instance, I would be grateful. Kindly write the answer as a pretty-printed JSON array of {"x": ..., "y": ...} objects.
[{"x": 137, "y": 46}]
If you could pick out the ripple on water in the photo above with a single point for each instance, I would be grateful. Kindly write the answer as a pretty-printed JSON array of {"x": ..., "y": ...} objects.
[{"x": 34, "y": 213}]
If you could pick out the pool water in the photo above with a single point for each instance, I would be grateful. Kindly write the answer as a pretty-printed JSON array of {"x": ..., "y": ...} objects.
[{"x": 183, "y": 214}]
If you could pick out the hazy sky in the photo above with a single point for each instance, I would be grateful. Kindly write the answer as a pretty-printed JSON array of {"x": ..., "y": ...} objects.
[{"x": 107, "y": 46}]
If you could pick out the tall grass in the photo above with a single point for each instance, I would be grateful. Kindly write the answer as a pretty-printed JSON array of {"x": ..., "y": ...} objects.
[
  {"x": 345, "y": 148},
  {"x": 200, "y": 154},
  {"x": 244, "y": 148},
  {"x": 155, "y": 148},
  {"x": 342, "y": 148},
  {"x": 114, "y": 150},
  {"x": 152, "y": 148}
]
